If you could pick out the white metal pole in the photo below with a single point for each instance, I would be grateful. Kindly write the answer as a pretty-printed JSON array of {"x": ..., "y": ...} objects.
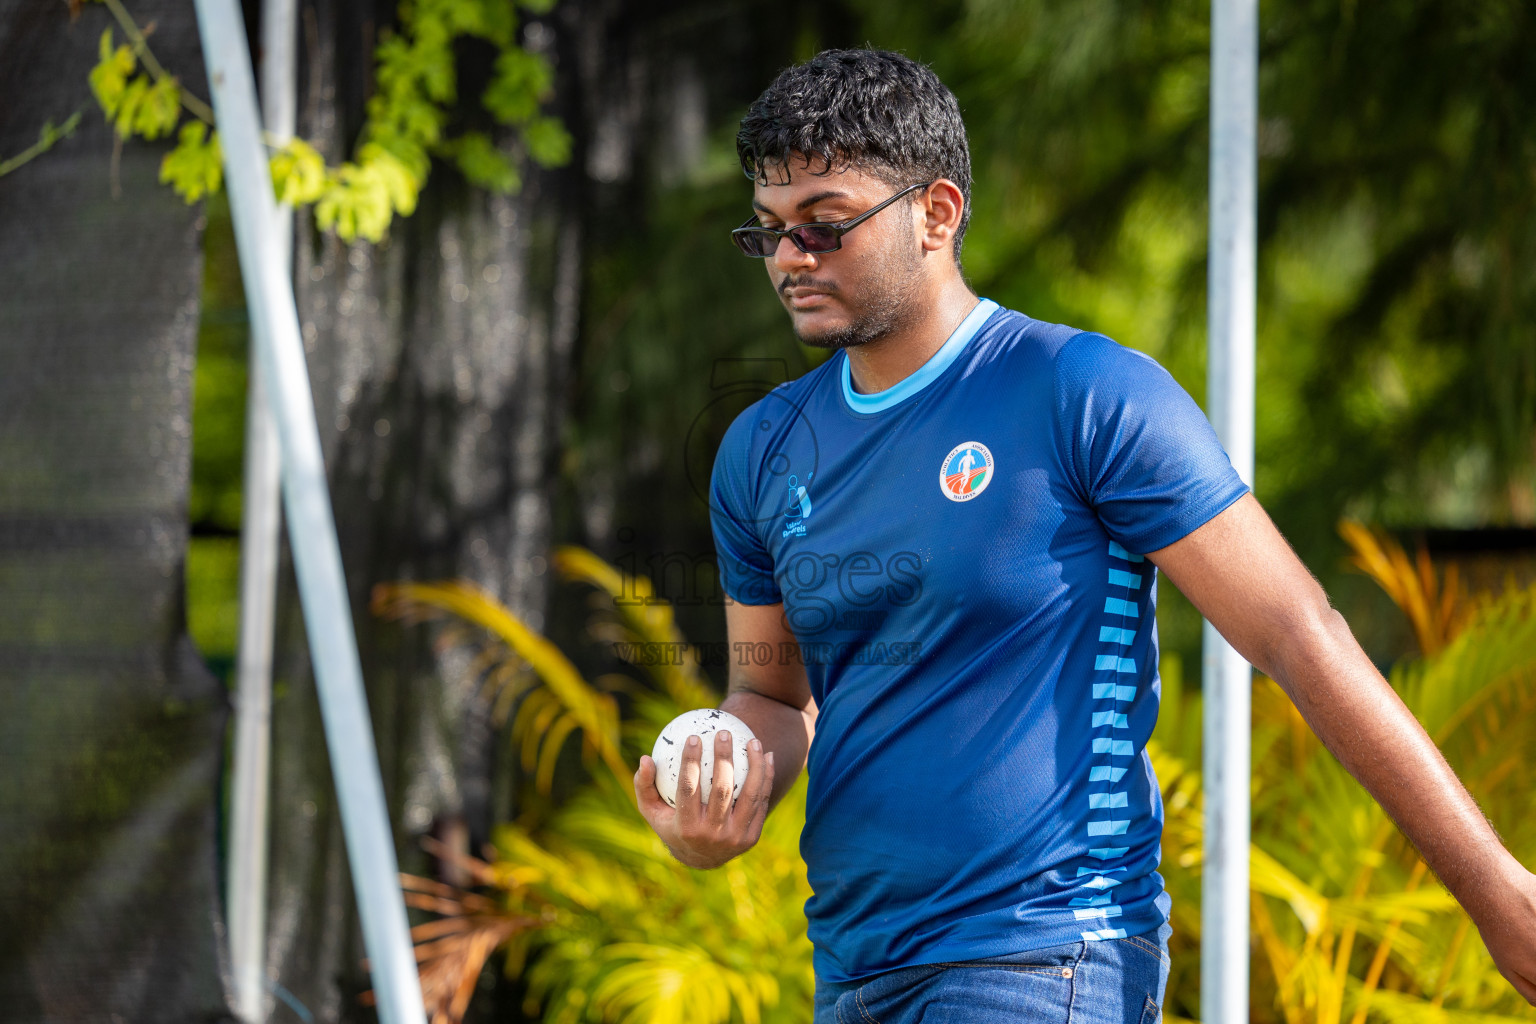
[
  {"x": 1228, "y": 680},
  {"x": 259, "y": 536},
  {"x": 311, "y": 524}
]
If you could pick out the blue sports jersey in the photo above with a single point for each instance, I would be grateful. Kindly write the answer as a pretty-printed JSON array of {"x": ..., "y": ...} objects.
[{"x": 960, "y": 559}]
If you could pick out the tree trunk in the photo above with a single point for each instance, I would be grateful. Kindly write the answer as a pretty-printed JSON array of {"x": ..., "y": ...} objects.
[{"x": 438, "y": 360}]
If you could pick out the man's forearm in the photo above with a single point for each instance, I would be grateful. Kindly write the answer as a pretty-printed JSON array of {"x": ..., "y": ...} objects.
[
  {"x": 784, "y": 730},
  {"x": 1361, "y": 719}
]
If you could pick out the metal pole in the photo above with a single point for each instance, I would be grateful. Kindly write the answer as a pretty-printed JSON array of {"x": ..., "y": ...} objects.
[
  {"x": 311, "y": 525},
  {"x": 1228, "y": 680},
  {"x": 260, "y": 525}
]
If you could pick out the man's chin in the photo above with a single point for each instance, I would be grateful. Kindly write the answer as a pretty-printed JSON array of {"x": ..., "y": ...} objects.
[{"x": 825, "y": 332}]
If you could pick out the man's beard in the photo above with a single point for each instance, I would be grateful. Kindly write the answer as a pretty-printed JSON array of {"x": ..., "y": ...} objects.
[{"x": 888, "y": 310}]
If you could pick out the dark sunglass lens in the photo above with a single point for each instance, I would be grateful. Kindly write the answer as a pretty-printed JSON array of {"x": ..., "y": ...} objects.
[
  {"x": 816, "y": 238},
  {"x": 750, "y": 243},
  {"x": 755, "y": 243}
]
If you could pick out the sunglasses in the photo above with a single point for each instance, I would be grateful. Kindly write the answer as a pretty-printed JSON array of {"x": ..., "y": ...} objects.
[{"x": 815, "y": 238}]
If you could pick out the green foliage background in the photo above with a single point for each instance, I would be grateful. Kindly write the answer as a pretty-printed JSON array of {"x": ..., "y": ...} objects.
[
  {"x": 410, "y": 117},
  {"x": 1397, "y": 360},
  {"x": 1397, "y": 363}
]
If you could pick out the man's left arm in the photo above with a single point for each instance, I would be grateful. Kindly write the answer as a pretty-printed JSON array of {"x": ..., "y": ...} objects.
[{"x": 1242, "y": 575}]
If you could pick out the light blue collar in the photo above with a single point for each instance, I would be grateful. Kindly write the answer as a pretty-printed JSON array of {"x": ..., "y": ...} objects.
[{"x": 923, "y": 375}]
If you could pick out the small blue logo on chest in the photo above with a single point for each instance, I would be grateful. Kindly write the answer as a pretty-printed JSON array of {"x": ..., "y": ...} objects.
[{"x": 799, "y": 509}]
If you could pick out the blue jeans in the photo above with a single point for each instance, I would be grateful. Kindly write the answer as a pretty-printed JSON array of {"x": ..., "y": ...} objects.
[{"x": 1112, "y": 981}]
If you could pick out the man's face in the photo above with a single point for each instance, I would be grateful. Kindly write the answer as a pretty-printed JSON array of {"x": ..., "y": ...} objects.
[{"x": 861, "y": 292}]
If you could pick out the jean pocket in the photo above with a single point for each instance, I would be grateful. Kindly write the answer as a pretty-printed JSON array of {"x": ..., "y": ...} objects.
[
  {"x": 983, "y": 991},
  {"x": 1147, "y": 946},
  {"x": 1052, "y": 961},
  {"x": 1052, "y": 970},
  {"x": 1151, "y": 1013}
]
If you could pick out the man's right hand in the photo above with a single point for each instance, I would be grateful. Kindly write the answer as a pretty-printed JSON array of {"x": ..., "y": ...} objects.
[{"x": 707, "y": 835}]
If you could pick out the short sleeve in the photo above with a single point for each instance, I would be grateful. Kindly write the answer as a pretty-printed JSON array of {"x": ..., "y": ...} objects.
[
  {"x": 746, "y": 567},
  {"x": 1140, "y": 450}
]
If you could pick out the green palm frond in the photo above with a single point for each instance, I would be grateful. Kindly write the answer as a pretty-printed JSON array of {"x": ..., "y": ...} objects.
[
  {"x": 650, "y": 983},
  {"x": 1490, "y": 659},
  {"x": 590, "y": 908},
  {"x": 639, "y": 937}
]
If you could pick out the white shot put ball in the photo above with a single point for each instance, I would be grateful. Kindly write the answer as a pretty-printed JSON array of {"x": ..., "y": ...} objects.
[{"x": 703, "y": 723}]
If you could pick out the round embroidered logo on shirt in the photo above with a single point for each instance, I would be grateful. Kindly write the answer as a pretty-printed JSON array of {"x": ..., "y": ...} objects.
[{"x": 966, "y": 471}]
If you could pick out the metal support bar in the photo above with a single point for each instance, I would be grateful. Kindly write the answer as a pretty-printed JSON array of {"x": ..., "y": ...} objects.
[
  {"x": 1228, "y": 680},
  {"x": 312, "y": 527},
  {"x": 261, "y": 522}
]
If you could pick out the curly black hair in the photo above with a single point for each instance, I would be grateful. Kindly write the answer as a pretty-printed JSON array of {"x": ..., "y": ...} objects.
[{"x": 875, "y": 110}]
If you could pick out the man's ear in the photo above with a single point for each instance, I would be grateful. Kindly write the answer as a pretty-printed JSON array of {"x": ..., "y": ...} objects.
[{"x": 943, "y": 205}]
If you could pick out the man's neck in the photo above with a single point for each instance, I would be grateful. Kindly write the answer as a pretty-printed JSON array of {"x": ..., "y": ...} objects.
[{"x": 880, "y": 365}]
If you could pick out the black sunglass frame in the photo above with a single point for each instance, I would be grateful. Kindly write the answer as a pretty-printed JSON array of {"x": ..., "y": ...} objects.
[{"x": 838, "y": 228}]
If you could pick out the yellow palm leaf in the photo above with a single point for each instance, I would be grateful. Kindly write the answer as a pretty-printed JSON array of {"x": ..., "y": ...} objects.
[
  {"x": 647, "y": 620},
  {"x": 595, "y": 713},
  {"x": 1436, "y": 609}
]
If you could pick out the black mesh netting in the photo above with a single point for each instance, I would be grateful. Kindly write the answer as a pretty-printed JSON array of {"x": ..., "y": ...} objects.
[
  {"x": 439, "y": 362},
  {"x": 110, "y": 726}
]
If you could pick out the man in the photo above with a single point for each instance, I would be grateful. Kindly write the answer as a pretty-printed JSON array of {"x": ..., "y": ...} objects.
[{"x": 969, "y": 614}]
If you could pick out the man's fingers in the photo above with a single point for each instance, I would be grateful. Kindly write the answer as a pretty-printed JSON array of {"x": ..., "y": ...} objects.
[
  {"x": 702, "y": 834},
  {"x": 753, "y": 793},
  {"x": 765, "y": 785},
  {"x": 688, "y": 781},
  {"x": 725, "y": 779},
  {"x": 754, "y": 830},
  {"x": 653, "y": 808},
  {"x": 646, "y": 794}
]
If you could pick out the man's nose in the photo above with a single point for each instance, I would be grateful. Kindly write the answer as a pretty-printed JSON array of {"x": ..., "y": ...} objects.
[{"x": 788, "y": 259}]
